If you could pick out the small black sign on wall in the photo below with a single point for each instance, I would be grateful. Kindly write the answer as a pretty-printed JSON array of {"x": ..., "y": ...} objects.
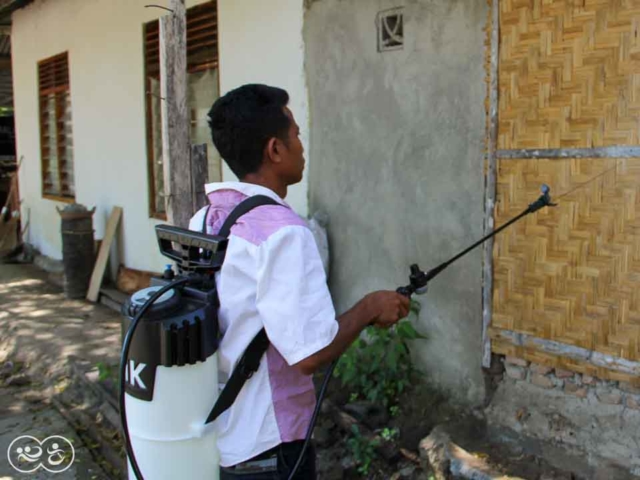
[{"x": 390, "y": 30}]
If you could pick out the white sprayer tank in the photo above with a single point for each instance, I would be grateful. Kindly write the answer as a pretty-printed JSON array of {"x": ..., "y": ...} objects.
[{"x": 171, "y": 387}]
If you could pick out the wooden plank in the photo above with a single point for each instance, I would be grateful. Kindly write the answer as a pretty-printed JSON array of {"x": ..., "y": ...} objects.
[
  {"x": 490, "y": 187},
  {"x": 582, "y": 355},
  {"x": 176, "y": 144},
  {"x": 151, "y": 175},
  {"x": 199, "y": 175},
  {"x": 103, "y": 254},
  {"x": 617, "y": 151}
]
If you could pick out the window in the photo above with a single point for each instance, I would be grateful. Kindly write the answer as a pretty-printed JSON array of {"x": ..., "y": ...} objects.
[
  {"x": 56, "y": 140},
  {"x": 202, "y": 84},
  {"x": 390, "y": 29}
]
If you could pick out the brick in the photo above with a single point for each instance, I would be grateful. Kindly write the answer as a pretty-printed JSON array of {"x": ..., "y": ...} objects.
[
  {"x": 517, "y": 373},
  {"x": 575, "y": 389},
  {"x": 589, "y": 380},
  {"x": 633, "y": 402},
  {"x": 607, "y": 384},
  {"x": 542, "y": 381},
  {"x": 540, "y": 369},
  {"x": 613, "y": 397},
  {"x": 562, "y": 373},
  {"x": 628, "y": 388},
  {"x": 516, "y": 361}
]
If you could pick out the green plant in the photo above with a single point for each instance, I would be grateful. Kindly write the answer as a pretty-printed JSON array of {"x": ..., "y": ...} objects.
[
  {"x": 362, "y": 449},
  {"x": 106, "y": 372},
  {"x": 389, "y": 434},
  {"x": 378, "y": 368}
]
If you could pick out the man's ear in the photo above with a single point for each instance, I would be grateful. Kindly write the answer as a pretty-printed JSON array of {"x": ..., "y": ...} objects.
[{"x": 272, "y": 149}]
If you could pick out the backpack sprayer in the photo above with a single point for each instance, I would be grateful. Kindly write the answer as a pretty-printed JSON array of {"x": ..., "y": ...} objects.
[{"x": 168, "y": 371}]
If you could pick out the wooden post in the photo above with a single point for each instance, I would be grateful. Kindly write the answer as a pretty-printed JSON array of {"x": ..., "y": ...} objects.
[
  {"x": 199, "y": 176},
  {"x": 490, "y": 186},
  {"x": 176, "y": 146}
]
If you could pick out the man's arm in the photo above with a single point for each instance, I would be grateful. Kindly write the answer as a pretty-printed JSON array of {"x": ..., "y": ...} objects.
[
  {"x": 296, "y": 308},
  {"x": 382, "y": 308}
]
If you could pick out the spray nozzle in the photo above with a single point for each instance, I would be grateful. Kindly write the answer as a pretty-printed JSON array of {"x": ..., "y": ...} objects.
[
  {"x": 417, "y": 282},
  {"x": 543, "y": 201}
]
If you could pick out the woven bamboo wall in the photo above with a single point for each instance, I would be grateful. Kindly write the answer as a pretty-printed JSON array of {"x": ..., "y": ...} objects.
[
  {"x": 569, "y": 73},
  {"x": 571, "y": 273}
]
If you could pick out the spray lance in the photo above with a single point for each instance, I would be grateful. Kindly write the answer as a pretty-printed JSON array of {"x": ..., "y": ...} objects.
[
  {"x": 168, "y": 372},
  {"x": 418, "y": 279}
]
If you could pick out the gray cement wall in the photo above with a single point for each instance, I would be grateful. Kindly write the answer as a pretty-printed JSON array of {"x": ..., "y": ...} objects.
[{"x": 396, "y": 141}]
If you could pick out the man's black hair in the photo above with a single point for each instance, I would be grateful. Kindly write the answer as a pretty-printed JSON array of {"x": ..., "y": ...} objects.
[{"x": 243, "y": 120}]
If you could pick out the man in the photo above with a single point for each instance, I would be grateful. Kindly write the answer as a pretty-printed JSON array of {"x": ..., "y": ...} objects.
[{"x": 273, "y": 277}]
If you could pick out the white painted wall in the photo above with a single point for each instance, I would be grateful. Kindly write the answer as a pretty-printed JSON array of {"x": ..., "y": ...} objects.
[{"x": 261, "y": 42}]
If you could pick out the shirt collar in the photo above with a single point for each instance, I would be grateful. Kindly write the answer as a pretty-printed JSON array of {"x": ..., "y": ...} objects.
[{"x": 248, "y": 189}]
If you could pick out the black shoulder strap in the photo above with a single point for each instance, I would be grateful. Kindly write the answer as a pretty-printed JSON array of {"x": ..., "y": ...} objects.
[
  {"x": 246, "y": 367},
  {"x": 204, "y": 220},
  {"x": 250, "y": 360},
  {"x": 244, "y": 207}
]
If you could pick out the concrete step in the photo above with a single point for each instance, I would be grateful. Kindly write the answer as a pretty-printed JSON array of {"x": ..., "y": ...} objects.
[{"x": 112, "y": 298}]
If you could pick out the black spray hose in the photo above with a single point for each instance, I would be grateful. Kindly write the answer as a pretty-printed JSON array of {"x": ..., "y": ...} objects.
[
  {"x": 314, "y": 418},
  {"x": 124, "y": 359}
]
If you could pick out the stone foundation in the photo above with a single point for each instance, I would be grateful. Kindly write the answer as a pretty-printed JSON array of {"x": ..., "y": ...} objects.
[
  {"x": 594, "y": 418},
  {"x": 582, "y": 386}
]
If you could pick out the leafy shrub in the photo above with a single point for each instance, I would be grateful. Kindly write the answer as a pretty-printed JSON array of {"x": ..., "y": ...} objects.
[{"x": 378, "y": 368}]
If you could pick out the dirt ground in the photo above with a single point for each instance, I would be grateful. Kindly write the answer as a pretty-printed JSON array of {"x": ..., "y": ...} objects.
[
  {"x": 41, "y": 332},
  {"x": 25, "y": 411},
  {"x": 421, "y": 410},
  {"x": 54, "y": 346}
]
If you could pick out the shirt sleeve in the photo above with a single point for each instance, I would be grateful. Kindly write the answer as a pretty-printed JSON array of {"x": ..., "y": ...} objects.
[
  {"x": 292, "y": 298},
  {"x": 196, "y": 221}
]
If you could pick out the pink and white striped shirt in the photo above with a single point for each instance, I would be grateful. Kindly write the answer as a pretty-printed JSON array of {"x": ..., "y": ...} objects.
[{"x": 272, "y": 277}]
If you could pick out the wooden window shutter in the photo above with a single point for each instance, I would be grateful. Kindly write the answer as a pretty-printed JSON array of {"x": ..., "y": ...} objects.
[
  {"x": 202, "y": 54},
  {"x": 202, "y": 40},
  {"x": 202, "y": 37},
  {"x": 56, "y": 139}
]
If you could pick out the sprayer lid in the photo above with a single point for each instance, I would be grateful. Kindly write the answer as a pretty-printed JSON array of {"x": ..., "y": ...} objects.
[
  {"x": 141, "y": 296},
  {"x": 164, "y": 305}
]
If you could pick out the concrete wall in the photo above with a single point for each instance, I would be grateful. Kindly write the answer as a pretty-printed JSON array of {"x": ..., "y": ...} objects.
[
  {"x": 261, "y": 42},
  {"x": 104, "y": 39},
  {"x": 397, "y": 140}
]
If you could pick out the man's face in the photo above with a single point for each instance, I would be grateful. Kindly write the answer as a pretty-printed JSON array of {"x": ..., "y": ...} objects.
[{"x": 292, "y": 156}]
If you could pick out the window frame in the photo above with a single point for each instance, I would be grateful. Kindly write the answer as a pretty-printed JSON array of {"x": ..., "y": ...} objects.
[{"x": 54, "y": 73}]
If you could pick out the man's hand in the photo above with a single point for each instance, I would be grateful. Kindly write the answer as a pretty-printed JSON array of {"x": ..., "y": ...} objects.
[
  {"x": 382, "y": 309},
  {"x": 387, "y": 307}
]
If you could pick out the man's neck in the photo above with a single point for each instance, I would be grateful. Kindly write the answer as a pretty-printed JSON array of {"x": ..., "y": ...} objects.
[{"x": 267, "y": 181}]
